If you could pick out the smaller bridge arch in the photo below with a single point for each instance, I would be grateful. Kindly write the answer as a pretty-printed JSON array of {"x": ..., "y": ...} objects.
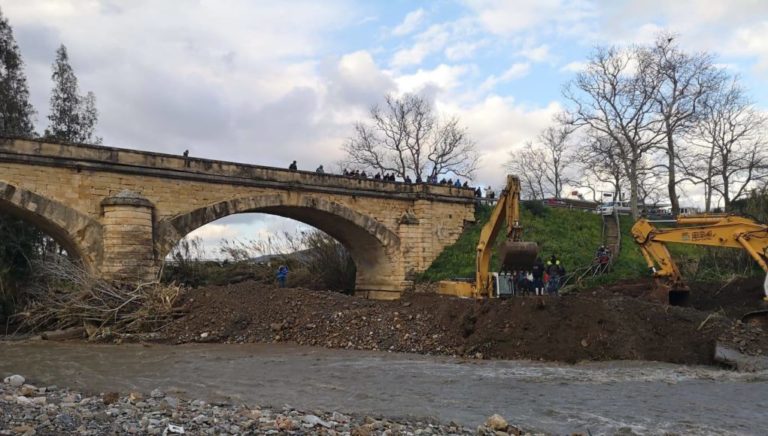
[
  {"x": 77, "y": 233},
  {"x": 373, "y": 247}
]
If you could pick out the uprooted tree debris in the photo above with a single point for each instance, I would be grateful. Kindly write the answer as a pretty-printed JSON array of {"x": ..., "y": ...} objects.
[{"x": 66, "y": 296}]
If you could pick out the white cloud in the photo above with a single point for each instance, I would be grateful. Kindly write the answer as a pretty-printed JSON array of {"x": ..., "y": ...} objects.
[
  {"x": 214, "y": 232},
  {"x": 536, "y": 54},
  {"x": 573, "y": 67},
  {"x": 443, "y": 77},
  {"x": 410, "y": 23},
  {"x": 507, "y": 17},
  {"x": 499, "y": 125},
  {"x": 430, "y": 41},
  {"x": 752, "y": 41},
  {"x": 516, "y": 71},
  {"x": 225, "y": 83},
  {"x": 463, "y": 50}
]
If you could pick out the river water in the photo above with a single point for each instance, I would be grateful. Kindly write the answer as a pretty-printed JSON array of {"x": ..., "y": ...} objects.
[{"x": 602, "y": 398}]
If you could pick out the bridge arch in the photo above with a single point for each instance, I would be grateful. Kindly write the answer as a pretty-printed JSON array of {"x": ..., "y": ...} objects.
[
  {"x": 373, "y": 247},
  {"x": 78, "y": 234}
]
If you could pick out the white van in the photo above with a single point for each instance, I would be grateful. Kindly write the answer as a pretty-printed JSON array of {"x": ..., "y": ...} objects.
[
  {"x": 607, "y": 208},
  {"x": 688, "y": 211}
]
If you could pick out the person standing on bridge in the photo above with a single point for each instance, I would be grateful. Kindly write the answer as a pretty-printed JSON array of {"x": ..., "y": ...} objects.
[
  {"x": 282, "y": 275},
  {"x": 293, "y": 166},
  {"x": 320, "y": 170}
]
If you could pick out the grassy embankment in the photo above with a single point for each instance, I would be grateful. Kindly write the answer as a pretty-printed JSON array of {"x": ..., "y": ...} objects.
[{"x": 573, "y": 236}]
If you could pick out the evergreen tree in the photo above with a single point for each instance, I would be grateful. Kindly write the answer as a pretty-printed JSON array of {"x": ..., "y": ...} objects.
[
  {"x": 19, "y": 241},
  {"x": 72, "y": 117},
  {"x": 15, "y": 110}
]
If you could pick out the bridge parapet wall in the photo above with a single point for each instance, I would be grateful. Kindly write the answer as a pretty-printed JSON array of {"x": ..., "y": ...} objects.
[{"x": 96, "y": 157}]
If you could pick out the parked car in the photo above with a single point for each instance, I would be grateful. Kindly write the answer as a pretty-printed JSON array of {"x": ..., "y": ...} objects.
[{"x": 621, "y": 207}]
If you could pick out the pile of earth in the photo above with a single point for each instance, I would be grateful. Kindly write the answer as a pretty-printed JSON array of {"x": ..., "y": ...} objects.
[{"x": 600, "y": 324}]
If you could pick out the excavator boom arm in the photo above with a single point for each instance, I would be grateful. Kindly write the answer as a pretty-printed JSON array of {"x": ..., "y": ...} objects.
[
  {"x": 707, "y": 230},
  {"x": 514, "y": 254}
]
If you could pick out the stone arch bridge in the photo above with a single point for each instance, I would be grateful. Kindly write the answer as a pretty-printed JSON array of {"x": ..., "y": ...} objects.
[{"x": 121, "y": 211}]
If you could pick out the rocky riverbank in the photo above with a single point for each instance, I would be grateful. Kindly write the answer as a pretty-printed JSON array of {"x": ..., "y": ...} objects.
[{"x": 26, "y": 409}]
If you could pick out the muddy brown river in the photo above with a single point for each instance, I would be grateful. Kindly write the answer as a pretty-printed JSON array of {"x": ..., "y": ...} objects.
[{"x": 601, "y": 398}]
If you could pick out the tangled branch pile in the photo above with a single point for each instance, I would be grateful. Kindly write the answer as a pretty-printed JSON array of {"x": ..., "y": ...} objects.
[{"x": 66, "y": 295}]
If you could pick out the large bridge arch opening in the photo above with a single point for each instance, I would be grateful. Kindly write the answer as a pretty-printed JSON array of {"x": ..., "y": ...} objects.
[
  {"x": 71, "y": 230},
  {"x": 372, "y": 247}
]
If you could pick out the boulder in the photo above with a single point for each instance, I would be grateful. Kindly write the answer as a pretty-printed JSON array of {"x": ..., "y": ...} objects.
[
  {"x": 496, "y": 422},
  {"x": 15, "y": 380}
]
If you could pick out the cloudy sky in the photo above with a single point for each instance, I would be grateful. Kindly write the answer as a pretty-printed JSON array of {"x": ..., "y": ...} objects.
[{"x": 267, "y": 82}]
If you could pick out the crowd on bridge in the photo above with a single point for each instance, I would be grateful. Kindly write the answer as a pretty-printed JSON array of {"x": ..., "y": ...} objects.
[{"x": 391, "y": 177}]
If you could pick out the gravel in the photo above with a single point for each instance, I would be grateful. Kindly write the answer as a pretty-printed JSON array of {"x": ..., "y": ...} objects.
[{"x": 31, "y": 410}]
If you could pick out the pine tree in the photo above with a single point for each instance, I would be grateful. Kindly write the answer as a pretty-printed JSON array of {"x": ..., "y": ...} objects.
[
  {"x": 19, "y": 241},
  {"x": 72, "y": 117},
  {"x": 15, "y": 110}
]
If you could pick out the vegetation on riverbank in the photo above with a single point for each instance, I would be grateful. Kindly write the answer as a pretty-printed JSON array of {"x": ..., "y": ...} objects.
[
  {"x": 574, "y": 237},
  {"x": 571, "y": 235}
]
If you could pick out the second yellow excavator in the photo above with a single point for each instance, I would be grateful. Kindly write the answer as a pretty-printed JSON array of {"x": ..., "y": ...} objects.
[
  {"x": 708, "y": 230},
  {"x": 515, "y": 254}
]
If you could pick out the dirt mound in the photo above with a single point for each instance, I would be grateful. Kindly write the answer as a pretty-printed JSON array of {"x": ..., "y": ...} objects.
[{"x": 602, "y": 324}]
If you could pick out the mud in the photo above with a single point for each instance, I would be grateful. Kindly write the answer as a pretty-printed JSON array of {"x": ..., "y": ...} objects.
[{"x": 610, "y": 323}]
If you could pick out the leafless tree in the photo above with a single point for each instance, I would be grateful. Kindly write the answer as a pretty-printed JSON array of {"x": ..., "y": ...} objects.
[
  {"x": 615, "y": 97},
  {"x": 530, "y": 165},
  {"x": 736, "y": 131},
  {"x": 697, "y": 160},
  {"x": 650, "y": 182},
  {"x": 599, "y": 166},
  {"x": 555, "y": 144},
  {"x": 405, "y": 137},
  {"x": 541, "y": 165},
  {"x": 686, "y": 81}
]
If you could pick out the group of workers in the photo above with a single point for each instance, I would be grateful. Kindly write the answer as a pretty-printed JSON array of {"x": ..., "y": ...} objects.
[{"x": 543, "y": 277}]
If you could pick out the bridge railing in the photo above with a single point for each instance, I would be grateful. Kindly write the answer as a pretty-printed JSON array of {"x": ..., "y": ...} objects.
[{"x": 97, "y": 157}]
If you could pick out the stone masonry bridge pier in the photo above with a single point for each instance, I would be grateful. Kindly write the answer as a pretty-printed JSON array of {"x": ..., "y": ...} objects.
[{"x": 121, "y": 211}]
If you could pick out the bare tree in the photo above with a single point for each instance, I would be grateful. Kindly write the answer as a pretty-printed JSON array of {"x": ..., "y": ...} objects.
[
  {"x": 555, "y": 143},
  {"x": 736, "y": 132},
  {"x": 686, "y": 81},
  {"x": 697, "y": 160},
  {"x": 615, "y": 97},
  {"x": 650, "y": 182},
  {"x": 530, "y": 165},
  {"x": 406, "y": 138},
  {"x": 600, "y": 166},
  {"x": 541, "y": 165}
]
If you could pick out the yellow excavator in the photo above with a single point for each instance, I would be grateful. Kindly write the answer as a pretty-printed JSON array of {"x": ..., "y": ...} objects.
[
  {"x": 515, "y": 254},
  {"x": 713, "y": 230}
]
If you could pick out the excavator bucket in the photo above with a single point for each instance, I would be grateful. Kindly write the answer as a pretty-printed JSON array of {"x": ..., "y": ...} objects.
[
  {"x": 759, "y": 317},
  {"x": 518, "y": 255}
]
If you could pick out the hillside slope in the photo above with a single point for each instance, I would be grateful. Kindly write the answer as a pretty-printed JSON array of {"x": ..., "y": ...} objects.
[{"x": 573, "y": 236}]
